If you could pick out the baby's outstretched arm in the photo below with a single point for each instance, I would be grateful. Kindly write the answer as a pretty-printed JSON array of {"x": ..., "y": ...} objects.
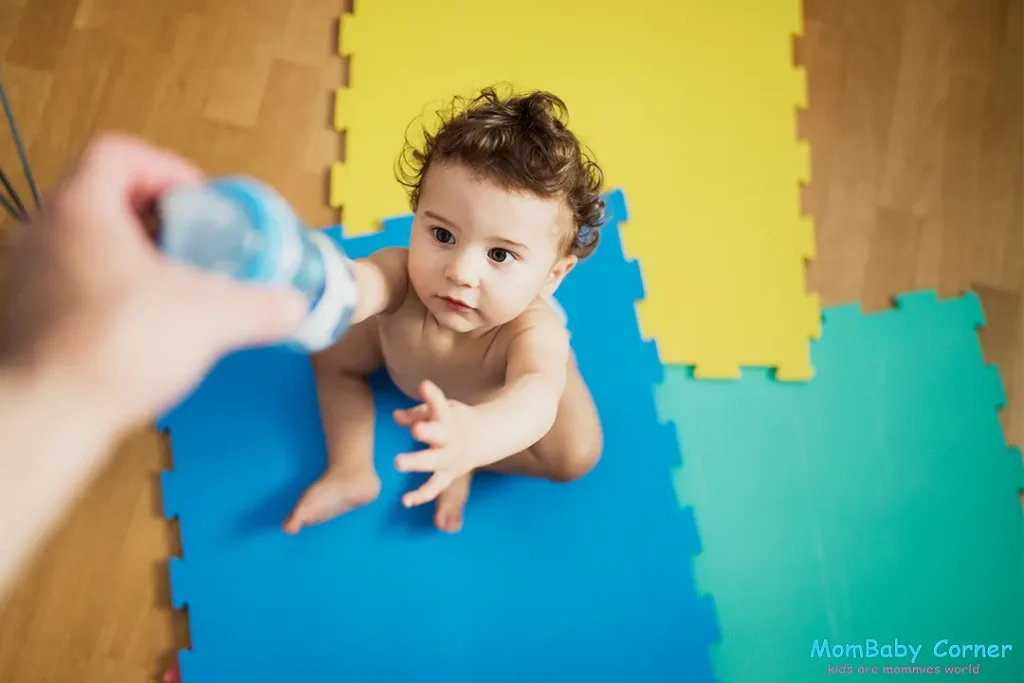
[
  {"x": 463, "y": 438},
  {"x": 542, "y": 423},
  {"x": 382, "y": 282},
  {"x": 524, "y": 410}
]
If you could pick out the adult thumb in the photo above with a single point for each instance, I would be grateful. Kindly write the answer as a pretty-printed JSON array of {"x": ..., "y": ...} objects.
[{"x": 244, "y": 314}]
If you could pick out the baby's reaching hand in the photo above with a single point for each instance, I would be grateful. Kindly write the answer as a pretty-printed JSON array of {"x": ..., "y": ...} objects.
[{"x": 451, "y": 429}]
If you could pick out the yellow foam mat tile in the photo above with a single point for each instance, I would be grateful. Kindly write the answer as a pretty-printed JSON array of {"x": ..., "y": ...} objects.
[{"x": 689, "y": 106}]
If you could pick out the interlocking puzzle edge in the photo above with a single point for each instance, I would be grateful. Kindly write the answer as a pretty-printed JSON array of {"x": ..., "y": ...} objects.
[
  {"x": 618, "y": 211},
  {"x": 347, "y": 41}
]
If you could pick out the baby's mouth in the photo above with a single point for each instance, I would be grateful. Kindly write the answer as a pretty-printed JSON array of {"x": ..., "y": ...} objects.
[{"x": 456, "y": 304}]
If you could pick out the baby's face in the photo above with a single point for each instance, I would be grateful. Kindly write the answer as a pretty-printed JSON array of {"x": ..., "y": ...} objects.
[{"x": 480, "y": 254}]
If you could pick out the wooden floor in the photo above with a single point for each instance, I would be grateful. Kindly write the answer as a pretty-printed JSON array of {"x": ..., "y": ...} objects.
[{"x": 915, "y": 124}]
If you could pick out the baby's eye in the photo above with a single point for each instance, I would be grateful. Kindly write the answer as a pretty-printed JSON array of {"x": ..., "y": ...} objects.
[
  {"x": 443, "y": 236},
  {"x": 501, "y": 255}
]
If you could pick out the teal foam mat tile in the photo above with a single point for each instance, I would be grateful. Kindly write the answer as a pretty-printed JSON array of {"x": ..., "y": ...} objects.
[{"x": 873, "y": 510}]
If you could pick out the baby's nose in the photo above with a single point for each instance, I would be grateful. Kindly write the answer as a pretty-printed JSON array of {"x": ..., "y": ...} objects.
[{"x": 462, "y": 272}]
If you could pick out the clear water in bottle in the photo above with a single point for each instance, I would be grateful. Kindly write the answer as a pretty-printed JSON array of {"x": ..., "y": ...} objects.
[{"x": 240, "y": 228}]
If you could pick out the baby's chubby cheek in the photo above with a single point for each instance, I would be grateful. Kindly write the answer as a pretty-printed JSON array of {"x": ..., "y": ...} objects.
[
  {"x": 507, "y": 305},
  {"x": 420, "y": 279}
]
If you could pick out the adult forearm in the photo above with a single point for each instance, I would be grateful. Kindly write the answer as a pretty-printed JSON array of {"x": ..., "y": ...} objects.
[
  {"x": 519, "y": 415},
  {"x": 49, "y": 449}
]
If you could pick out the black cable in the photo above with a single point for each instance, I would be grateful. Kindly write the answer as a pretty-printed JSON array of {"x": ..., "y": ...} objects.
[
  {"x": 18, "y": 143},
  {"x": 11, "y": 209},
  {"x": 14, "y": 194}
]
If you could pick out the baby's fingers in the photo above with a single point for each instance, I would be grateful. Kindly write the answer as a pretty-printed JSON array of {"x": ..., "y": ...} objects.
[
  {"x": 433, "y": 433},
  {"x": 409, "y": 416},
  {"x": 429, "y": 491},
  {"x": 421, "y": 461},
  {"x": 435, "y": 398}
]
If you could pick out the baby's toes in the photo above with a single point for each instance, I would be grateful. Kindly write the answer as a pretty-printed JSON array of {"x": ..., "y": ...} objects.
[
  {"x": 450, "y": 506},
  {"x": 448, "y": 520}
]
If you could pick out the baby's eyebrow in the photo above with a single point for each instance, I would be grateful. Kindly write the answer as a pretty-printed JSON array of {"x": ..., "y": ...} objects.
[
  {"x": 514, "y": 244},
  {"x": 436, "y": 217}
]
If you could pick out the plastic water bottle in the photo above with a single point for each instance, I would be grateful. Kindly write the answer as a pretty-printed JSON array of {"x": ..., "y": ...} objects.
[{"x": 243, "y": 229}]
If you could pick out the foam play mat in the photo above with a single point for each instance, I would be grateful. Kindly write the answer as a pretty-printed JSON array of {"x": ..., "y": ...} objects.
[
  {"x": 590, "y": 580},
  {"x": 690, "y": 106},
  {"x": 869, "y": 512}
]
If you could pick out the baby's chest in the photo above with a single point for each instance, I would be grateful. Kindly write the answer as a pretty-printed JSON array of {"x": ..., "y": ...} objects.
[{"x": 467, "y": 372}]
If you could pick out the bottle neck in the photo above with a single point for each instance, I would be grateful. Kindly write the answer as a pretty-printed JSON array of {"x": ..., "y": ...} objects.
[{"x": 331, "y": 314}]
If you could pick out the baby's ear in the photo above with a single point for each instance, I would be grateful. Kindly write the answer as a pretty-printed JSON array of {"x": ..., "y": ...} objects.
[{"x": 558, "y": 272}]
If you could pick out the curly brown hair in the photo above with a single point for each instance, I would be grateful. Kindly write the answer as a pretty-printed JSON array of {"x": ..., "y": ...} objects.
[{"x": 521, "y": 142}]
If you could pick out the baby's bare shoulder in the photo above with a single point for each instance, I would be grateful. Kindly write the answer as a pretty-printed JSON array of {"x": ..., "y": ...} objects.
[
  {"x": 393, "y": 260},
  {"x": 537, "y": 336},
  {"x": 538, "y": 318}
]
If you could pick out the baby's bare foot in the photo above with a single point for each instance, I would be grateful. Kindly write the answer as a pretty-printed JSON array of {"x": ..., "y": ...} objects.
[
  {"x": 332, "y": 495},
  {"x": 450, "y": 504}
]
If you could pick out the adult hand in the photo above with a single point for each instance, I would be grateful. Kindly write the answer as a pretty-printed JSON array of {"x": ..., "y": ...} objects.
[{"x": 96, "y": 315}]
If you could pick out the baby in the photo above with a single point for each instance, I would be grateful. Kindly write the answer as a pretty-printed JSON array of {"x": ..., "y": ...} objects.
[{"x": 505, "y": 204}]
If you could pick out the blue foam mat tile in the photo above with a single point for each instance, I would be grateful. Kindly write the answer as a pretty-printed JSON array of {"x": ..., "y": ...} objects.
[
  {"x": 633, "y": 283},
  {"x": 187, "y": 666},
  {"x": 591, "y": 580},
  {"x": 669, "y": 435},
  {"x": 168, "y": 494},
  {"x": 653, "y": 362},
  {"x": 179, "y": 582},
  {"x": 688, "y": 531},
  {"x": 616, "y": 207},
  {"x": 710, "y": 611}
]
